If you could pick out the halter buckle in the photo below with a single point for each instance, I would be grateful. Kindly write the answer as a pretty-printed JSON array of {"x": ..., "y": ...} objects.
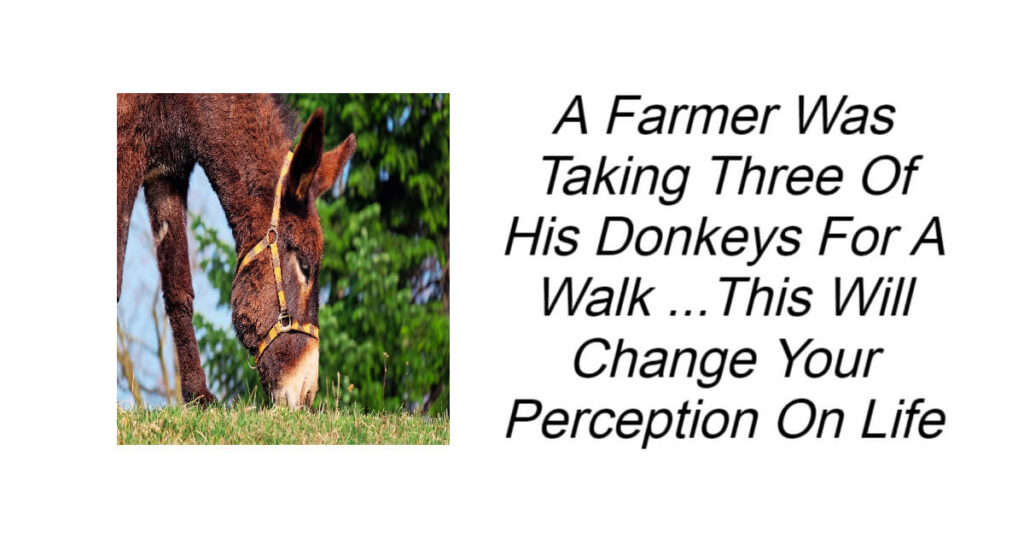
[
  {"x": 285, "y": 320},
  {"x": 272, "y": 235}
]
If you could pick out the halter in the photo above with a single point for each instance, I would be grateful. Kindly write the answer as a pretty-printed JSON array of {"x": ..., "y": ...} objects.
[{"x": 284, "y": 323}]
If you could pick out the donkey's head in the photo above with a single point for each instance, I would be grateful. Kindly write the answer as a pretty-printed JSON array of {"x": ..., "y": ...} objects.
[{"x": 275, "y": 294}]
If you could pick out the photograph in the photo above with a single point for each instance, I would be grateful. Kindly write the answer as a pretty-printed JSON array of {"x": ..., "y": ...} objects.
[
  {"x": 724, "y": 269},
  {"x": 283, "y": 268}
]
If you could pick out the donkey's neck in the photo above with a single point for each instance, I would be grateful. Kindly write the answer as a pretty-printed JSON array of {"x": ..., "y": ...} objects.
[
  {"x": 247, "y": 197},
  {"x": 241, "y": 145}
]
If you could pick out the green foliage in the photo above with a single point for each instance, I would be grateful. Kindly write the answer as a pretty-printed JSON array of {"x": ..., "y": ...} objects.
[
  {"x": 384, "y": 340},
  {"x": 216, "y": 259},
  {"x": 226, "y": 360}
]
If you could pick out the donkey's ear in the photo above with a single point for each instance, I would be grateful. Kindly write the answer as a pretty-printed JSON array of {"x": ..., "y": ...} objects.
[
  {"x": 333, "y": 164},
  {"x": 306, "y": 159}
]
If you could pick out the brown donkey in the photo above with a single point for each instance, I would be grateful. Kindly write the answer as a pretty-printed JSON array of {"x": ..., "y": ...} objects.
[{"x": 268, "y": 195}]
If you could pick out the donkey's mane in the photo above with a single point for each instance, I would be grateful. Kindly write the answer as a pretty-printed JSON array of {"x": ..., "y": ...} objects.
[{"x": 288, "y": 116}]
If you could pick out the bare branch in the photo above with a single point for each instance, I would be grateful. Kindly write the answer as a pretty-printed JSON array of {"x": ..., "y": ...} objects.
[
  {"x": 125, "y": 360},
  {"x": 157, "y": 327}
]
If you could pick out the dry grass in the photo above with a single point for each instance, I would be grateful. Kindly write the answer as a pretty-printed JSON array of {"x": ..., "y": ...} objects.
[{"x": 221, "y": 425}]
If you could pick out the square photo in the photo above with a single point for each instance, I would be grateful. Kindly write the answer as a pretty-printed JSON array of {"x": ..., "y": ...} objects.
[{"x": 283, "y": 268}]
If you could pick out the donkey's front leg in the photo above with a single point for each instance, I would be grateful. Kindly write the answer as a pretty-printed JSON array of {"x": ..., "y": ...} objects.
[{"x": 165, "y": 198}]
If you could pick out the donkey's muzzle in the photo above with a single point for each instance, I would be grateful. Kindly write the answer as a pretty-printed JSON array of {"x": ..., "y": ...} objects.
[{"x": 298, "y": 384}]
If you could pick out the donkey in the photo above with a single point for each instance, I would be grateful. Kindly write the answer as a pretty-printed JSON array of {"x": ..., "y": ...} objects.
[{"x": 267, "y": 191}]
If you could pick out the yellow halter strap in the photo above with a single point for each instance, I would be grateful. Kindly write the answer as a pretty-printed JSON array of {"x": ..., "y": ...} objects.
[{"x": 284, "y": 323}]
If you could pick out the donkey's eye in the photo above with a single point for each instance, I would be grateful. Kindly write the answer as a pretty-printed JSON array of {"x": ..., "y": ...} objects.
[{"x": 304, "y": 267}]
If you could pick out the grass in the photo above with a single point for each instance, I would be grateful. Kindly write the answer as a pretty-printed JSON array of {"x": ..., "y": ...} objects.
[{"x": 275, "y": 426}]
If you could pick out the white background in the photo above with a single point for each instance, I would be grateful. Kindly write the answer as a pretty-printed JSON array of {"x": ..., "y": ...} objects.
[{"x": 953, "y": 75}]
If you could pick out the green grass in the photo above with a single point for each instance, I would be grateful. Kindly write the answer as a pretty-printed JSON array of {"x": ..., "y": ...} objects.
[{"x": 276, "y": 426}]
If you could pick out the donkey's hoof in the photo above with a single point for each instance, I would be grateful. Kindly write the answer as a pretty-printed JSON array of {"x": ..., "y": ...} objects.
[{"x": 202, "y": 398}]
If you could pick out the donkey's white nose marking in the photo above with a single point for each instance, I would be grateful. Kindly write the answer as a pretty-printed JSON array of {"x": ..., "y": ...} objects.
[{"x": 299, "y": 385}]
